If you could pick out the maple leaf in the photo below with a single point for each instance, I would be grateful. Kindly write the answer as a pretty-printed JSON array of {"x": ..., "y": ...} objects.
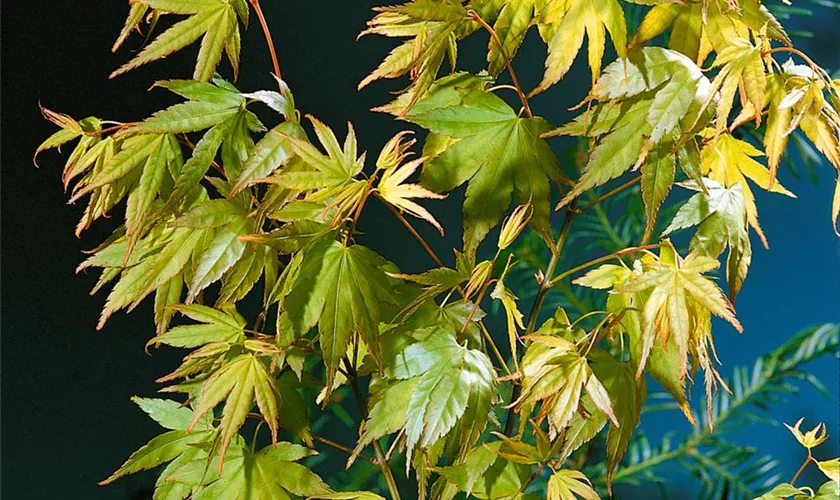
[
  {"x": 554, "y": 372},
  {"x": 796, "y": 98},
  {"x": 564, "y": 25},
  {"x": 645, "y": 103},
  {"x": 741, "y": 67},
  {"x": 664, "y": 361},
  {"x": 239, "y": 382},
  {"x": 433, "y": 28},
  {"x": 729, "y": 161},
  {"x": 511, "y": 25},
  {"x": 270, "y": 473},
  {"x": 679, "y": 294},
  {"x": 499, "y": 153},
  {"x": 215, "y": 20},
  {"x": 341, "y": 289},
  {"x": 215, "y": 327},
  {"x": 435, "y": 364},
  {"x": 723, "y": 221},
  {"x": 697, "y": 28},
  {"x": 568, "y": 484},
  {"x": 676, "y": 302},
  {"x": 393, "y": 189},
  {"x": 178, "y": 445}
]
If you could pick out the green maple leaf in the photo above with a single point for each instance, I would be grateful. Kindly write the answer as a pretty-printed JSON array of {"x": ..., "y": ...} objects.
[
  {"x": 215, "y": 326},
  {"x": 627, "y": 396},
  {"x": 239, "y": 382},
  {"x": 483, "y": 472},
  {"x": 555, "y": 373},
  {"x": 173, "y": 249},
  {"x": 388, "y": 412},
  {"x": 679, "y": 296},
  {"x": 219, "y": 255},
  {"x": 663, "y": 363},
  {"x": 214, "y": 20},
  {"x": 170, "y": 446},
  {"x": 647, "y": 104},
  {"x": 674, "y": 303},
  {"x": 268, "y": 474},
  {"x": 340, "y": 288},
  {"x": 511, "y": 25},
  {"x": 723, "y": 221},
  {"x": 499, "y": 153},
  {"x": 432, "y": 29},
  {"x": 454, "y": 390}
]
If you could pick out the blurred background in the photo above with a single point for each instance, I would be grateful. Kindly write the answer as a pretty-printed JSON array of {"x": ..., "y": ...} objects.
[{"x": 67, "y": 421}]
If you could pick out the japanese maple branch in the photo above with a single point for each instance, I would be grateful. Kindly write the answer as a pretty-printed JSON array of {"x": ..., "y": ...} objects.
[
  {"x": 358, "y": 212},
  {"x": 545, "y": 286},
  {"x": 802, "y": 467},
  {"x": 814, "y": 67},
  {"x": 474, "y": 309},
  {"x": 341, "y": 447},
  {"x": 632, "y": 182},
  {"x": 269, "y": 41},
  {"x": 440, "y": 263},
  {"x": 522, "y": 97}
]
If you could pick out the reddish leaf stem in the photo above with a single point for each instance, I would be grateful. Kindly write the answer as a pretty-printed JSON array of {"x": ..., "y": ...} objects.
[
  {"x": 268, "y": 39},
  {"x": 522, "y": 97}
]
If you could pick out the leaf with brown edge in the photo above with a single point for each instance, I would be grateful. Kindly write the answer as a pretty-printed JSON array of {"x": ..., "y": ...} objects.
[
  {"x": 214, "y": 20},
  {"x": 679, "y": 294}
]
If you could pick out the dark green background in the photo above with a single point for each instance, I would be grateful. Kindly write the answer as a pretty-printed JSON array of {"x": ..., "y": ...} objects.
[{"x": 66, "y": 417}]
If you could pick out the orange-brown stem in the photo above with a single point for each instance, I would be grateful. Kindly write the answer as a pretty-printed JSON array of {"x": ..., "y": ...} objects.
[
  {"x": 522, "y": 97},
  {"x": 268, "y": 39}
]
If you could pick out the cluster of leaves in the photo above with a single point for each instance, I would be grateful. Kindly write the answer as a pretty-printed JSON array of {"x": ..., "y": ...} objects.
[
  {"x": 723, "y": 467},
  {"x": 273, "y": 213}
]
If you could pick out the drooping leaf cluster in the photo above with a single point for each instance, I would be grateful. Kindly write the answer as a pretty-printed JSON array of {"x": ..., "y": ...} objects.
[{"x": 219, "y": 206}]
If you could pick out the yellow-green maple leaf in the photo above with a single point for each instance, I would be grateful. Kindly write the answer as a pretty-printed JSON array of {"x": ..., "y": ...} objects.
[
  {"x": 728, "y": 161},
  {"x": 565, "y": 22}
]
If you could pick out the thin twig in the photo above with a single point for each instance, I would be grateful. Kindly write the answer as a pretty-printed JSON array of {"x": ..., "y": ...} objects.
[
  {"x": 474, "y": 309},
  {"x": 814, "y": 67},
  {"x": 605, "y": 258},
  {"x": 628, "y": 184},
  {"x": 522, "y": 97},
  {"x": 493, "y": 345},
  {"x": 341, "y": 447},
  {"x": 186, "y": 140},
  {"x": 358, "y": 213},
  {"x": 267, "y": 32},
  {"x": 413, "y": 231},
  {"x": 801, "y": 468}
]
